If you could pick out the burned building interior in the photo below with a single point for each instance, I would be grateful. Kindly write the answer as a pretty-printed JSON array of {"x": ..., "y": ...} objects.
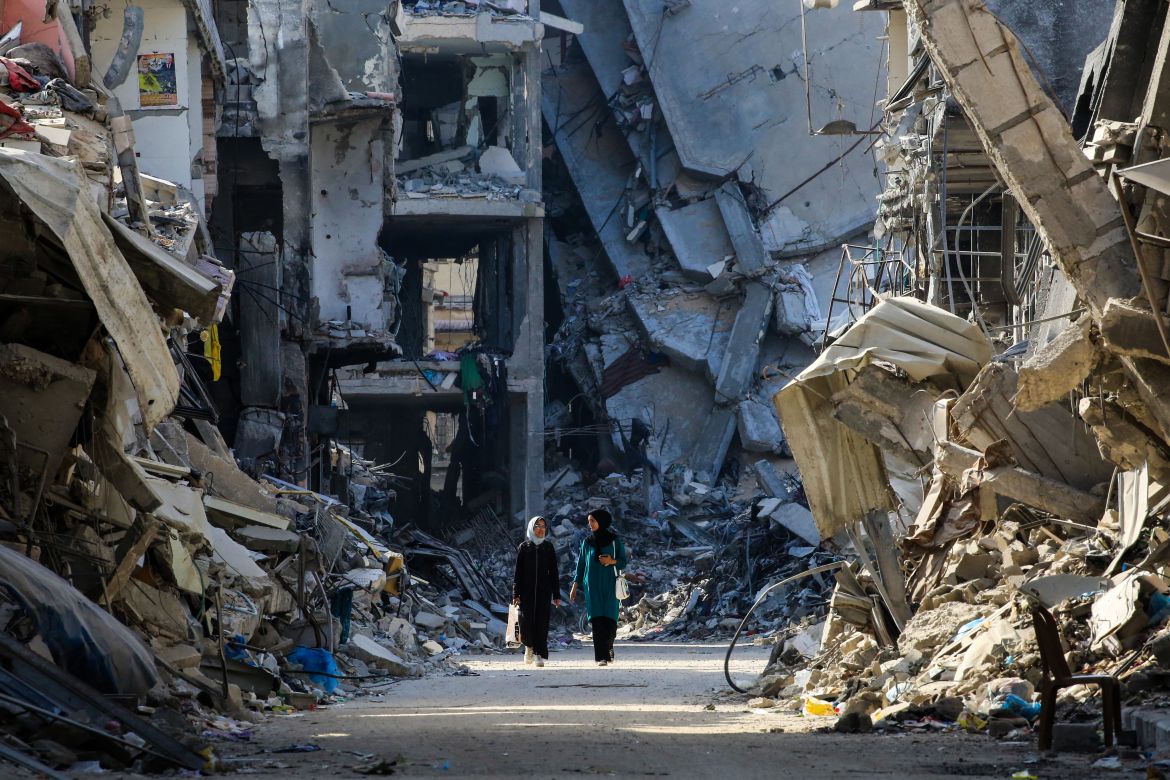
[{"x": 317, "y": 317}]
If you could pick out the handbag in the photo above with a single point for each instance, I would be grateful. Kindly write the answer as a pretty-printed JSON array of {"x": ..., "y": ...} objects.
[{"x": 621, "y": 587}]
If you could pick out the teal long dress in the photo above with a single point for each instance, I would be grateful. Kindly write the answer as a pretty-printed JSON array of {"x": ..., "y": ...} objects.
[{"x": 598, "y": 580}]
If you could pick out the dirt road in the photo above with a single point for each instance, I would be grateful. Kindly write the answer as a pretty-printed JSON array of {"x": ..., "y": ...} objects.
[{"x": 645, "y": 716}]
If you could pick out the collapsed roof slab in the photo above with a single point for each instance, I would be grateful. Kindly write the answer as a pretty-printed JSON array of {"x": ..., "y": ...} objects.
[
  {"x": 481, "y": 33},
  {"x": 1031, "y": 144},
  {"x": 607, "y": 28},
  {"x": 729, "y": 82},
  {"x": 597, "y": 157}
]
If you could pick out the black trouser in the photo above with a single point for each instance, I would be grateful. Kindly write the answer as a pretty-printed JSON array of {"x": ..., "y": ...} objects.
[
  {"x": 604, "y": 632},
  {"x": 534, "y": 626}
]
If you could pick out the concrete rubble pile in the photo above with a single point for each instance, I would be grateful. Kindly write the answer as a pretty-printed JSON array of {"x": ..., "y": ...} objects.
[
  {"x": 151, "y": 588},
  {"x": 694, "y": 262},
  {"x": 987, "y": 459},
  {"x": 697, "y": 564}
]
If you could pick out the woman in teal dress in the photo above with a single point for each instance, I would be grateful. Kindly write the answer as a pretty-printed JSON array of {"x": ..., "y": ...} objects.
[{"x": 602, "y": 556}]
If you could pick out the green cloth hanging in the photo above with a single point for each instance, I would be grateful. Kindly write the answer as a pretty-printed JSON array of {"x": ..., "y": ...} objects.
[{"x": 469, "y": 376}]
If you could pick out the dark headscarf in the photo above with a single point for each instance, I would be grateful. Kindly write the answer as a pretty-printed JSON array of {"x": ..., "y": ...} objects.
[{"x": 602, "y": 537}]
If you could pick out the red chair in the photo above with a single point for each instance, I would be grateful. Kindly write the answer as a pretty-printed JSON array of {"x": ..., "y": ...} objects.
[{"x": 1057, "y": 675}]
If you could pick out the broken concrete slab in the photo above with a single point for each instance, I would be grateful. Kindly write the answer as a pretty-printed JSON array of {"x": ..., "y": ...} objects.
[
  {"x": 671, "y": 394},
  {"x": 1046, "y": 440},
  {"x": 1055, "y": 369},
  {"x": 266, "y": 539},
  {"x": 41, "y": 398},
  {"x": 230, "y": 514},
  {"x": 606, "y": 43},
  {"x": 728, "y": 112},
  {"x": 961, "y": 464},
  {"x": 710, "y": 449},
  {"x": 890, "y": 411},
  {"x": 498, "y": 161},
  {"x": 236, "y": 558},
  {"x": 692, "y": 329},
  {"x": 770, "y": 480},
  {"x": 697, "y": 236},
  {"x": 759, "y": 427},
  {"x": 181, "y": 509},
  {"x": 797, "y": 520},
  {"x": 1131, "y": 330},
  {"x": 429, "y": 620},
  {"x": 168, "y": 281},
  {"x": 1123, "y": 440},
  {"x": 599, "y": 161},
  {"x": 366, "y": 648},
  {"x": 743, "y": 348},
  {"x": 230, "y": 482}
]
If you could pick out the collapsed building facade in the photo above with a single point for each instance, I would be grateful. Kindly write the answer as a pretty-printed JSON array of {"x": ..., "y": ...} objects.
[
  {"x": 275, "y": 335},
  {"x": 987, "y": 437},
  {"x": 225, "y": 227},
  {"x": 388, "y": 144},
  {"x": 697, "y": 216}
]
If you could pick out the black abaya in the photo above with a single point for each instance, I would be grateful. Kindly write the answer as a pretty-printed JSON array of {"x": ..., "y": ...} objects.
[{"x": 536, "y": 584}]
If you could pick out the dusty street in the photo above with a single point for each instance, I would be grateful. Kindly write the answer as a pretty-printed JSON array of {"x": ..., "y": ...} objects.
[{"x": 646, "y": 716}]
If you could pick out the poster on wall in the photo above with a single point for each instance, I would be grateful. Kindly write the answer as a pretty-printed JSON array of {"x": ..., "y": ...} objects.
[{"x": 157, "y": 85}]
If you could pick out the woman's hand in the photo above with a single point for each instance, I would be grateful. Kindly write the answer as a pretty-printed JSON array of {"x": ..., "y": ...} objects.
[
  {"x": 607, "y": 560},
  {"x": 557, "y": 603},
  {"x": 516, "y": 601}
]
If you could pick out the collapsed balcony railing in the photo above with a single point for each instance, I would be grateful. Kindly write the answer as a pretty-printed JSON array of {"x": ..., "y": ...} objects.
[{"x": 874, "y": 273}]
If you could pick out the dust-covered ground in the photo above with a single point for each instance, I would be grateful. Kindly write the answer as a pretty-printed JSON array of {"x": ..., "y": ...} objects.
[{"x": 648, "y": 715}]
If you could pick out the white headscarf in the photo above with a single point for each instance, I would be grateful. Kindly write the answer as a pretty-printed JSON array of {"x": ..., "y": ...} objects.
[{"x": 532, "y": 537}]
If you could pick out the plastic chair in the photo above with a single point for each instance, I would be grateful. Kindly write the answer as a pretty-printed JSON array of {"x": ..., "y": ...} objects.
[{"x": 1057, "y": 675}]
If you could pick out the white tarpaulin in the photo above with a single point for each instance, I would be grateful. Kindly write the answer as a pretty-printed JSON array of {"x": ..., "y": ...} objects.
[{"x": 844, "y": 477}]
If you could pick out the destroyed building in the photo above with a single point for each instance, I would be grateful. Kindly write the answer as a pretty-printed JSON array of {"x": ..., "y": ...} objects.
[
  {"x": 986, "y": 436},
  {"x": 388, "y": 148},
  {"x": 211, "y": 281},
  {"x": 856, "y": 316},
  {"x": 697, "y": 215}
]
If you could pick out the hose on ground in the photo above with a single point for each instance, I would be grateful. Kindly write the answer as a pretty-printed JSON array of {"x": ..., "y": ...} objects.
[{"x": 760, "y": 600}]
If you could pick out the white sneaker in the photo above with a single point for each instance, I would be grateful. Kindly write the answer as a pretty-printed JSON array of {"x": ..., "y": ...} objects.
[
  {"x": 602, "y": 663},
  {"x": 539, "y": 661},
  {"x": 528, "y": 655}
]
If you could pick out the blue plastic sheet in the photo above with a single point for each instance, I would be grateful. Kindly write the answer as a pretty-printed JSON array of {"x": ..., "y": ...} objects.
[{"x": 315, "y": 660}]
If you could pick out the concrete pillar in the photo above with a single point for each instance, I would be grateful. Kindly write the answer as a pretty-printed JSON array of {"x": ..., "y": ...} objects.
[
  {"x": 259, "y": 268},
  {"x": 526, "y": 368}
]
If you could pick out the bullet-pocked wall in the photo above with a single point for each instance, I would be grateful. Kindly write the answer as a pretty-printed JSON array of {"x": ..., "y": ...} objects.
[{"x": 348, "y": 186}]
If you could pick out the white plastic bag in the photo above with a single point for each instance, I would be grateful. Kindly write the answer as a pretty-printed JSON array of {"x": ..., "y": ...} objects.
[{"x": 512, "y": 633}]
